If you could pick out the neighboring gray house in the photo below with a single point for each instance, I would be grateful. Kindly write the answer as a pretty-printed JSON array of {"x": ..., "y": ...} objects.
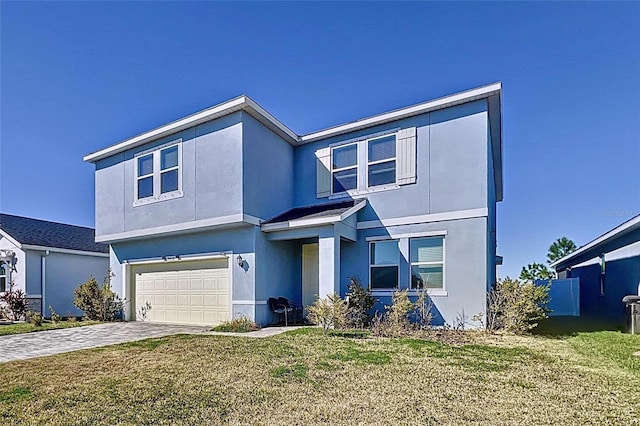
[
  {"x": 47, "y": 260},
  {"x": 210, "y": 215},
  {"x": 608, "y": 268}
]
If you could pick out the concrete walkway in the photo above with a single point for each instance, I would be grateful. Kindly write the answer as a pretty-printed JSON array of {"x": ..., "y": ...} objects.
[{"x": 42, "y": 343}]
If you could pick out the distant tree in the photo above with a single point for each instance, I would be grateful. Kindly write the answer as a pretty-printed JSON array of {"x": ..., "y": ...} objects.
[
  {"x": 536, "y": 271},
  {"x": 560, "y": 248}
]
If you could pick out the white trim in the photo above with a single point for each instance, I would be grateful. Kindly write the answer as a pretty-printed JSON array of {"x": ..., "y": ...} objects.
[
  {"x": 230, "y": 220},
  {"x": 393, "y": 236},
  {"x": 178, "y": 258},
  {"x": 397, "y": 265},
  {"x": 247, "y": 104},
  {"x": 446, "y": 101},
  {"x": 33, "y": 296},
  {"x": 10, "y": 239},
  {"x": 240, "y": 103},
  {"x": 633, "y": 222},
  {"x": 386, "y": 160},
  {"x": 249, "y": 302},
  {"x": 355, "y": 166},
  {"x": 156, "y": 174},
  {"x": 305, "y": 223},
  {"x": 435, "y": 292},
  {"x": 426, "y": 218},
  {"x": 357, "y": 194},
  {"x": 442, "y": 263},
  {"x": 64, "y": 251}
]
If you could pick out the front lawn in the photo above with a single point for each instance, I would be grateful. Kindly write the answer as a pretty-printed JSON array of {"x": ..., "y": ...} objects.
[
  {"x": 303, "y": 377},
  {"x": 46, "y": 325}
]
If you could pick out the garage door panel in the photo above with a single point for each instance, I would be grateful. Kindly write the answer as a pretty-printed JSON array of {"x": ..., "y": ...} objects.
[{"x": 188, "y": 295}]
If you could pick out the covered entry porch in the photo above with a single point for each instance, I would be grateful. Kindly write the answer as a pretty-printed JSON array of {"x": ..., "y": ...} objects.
[{"x": 316, "y": 235}]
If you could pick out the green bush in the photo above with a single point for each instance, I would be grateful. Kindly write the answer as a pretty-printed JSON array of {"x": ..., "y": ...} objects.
[
  {"x": 516, "y": 306},
  {"x": 35, "y": 318},
  {"x": 237, "y": 325},
  {"x": 396, "y": 320},
  {"x": 360, "y": 302},
  {"x": 55, "y": 317},
  {"x": 14, "y": 303},
  {"x": 99, "y": 303},
  {"x": 329, "y": 312}
]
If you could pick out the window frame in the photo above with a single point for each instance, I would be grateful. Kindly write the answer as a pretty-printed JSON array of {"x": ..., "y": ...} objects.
[
  {"x": 386, "y": 160},
  {"x": 4, "y": 275},
  {"x": 439, "y": 263},
  {"x": 156, "y": 174},
  {"x": 397, "y": 265},
  {"x": 356, "y": 166}
]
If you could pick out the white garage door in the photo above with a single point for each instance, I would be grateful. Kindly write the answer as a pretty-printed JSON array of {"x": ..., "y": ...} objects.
[{"x": 184, "y": 292}]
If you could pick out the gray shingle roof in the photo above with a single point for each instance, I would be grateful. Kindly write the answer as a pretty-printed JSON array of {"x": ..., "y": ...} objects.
[
  {"x": 316, "y": 211},
  {"x": 50, "y": 234}
]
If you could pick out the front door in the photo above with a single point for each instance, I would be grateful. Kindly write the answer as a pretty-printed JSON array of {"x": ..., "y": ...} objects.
[{"x": 310, "y": 275}]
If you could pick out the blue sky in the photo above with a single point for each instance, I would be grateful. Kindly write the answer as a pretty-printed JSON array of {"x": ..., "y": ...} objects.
[{"x": 76, "y": 77}]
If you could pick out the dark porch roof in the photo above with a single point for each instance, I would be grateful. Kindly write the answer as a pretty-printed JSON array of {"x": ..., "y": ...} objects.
[
  {"x": 36, "y": 232},
  {"x": 314, "y": 212}
]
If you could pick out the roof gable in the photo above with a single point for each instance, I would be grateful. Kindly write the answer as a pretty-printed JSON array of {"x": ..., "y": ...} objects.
[{"x": 36, "y": 232}]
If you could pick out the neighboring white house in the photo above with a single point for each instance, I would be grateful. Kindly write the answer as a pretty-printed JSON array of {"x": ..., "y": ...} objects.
[{"x": 47, "y": 260}]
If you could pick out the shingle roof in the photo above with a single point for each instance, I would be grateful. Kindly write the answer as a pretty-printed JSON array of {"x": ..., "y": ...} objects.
[
  {"x": 313, "y": 212},
  {"x": 50, "y": 234}
]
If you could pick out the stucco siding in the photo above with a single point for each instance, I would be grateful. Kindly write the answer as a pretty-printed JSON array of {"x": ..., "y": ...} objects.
[
  {"x": 465, "y": 266},
  {"x": 267, "y": 167},
  {"x": 64, "y": 272},
  {"x": 211, "y": 171},
  {"x": 451, "y": 165}
]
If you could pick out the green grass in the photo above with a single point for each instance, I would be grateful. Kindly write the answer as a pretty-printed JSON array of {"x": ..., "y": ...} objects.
[
  {"x": 46, "y": 325},
  {"x": 303, "y": 377}
]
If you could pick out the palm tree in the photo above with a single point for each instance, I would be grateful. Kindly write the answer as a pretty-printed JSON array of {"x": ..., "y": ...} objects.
[{"x": 560, "y": 248}]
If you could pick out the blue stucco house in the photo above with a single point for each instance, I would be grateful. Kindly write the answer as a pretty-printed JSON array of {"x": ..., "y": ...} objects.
[
  {"x": 210, "y": 215},
  {"x": 606, "y": 269}
]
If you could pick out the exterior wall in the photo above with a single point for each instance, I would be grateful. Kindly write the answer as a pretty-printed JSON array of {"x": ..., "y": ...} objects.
[
  {"x": 211, "y": 171},
  {"x": 622, "y": 278},
  {"x": 564, "y": 297},
  {"x": 465, "y": 266},
  {"x": 278, "y": 273},
  {"x": 267, "y": 165},
  {"x": 451, "y": 165},
  {"x": 64, "y": 272},
  {"x": 233, "y": 242},
  {"x": 19, "y": 276}
]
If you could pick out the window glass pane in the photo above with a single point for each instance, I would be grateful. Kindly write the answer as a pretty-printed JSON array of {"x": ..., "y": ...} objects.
[
  {"x": 169, "y": 158},
  {"x": 169, "y": 181},
  {"x": 145, "y": 187},
  {"x": 345, "y": 156},
  {"x": 426, "y": 277},
  {"x": 384, "y": 253},
  {"x": 145, "y": 165},
  {"x": 383, "y": 148},
  {"x": 345, "y": 180},
  {"x": 3, "y": 284},
  {"x": 426, "y": 249},
  {"x": 382, "y": 173},
  {"x": 384, "y": 277}
]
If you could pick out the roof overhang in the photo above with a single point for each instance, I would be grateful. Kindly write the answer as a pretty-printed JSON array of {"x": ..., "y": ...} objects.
[
  {"x": 492, "y": 92},
  {"x": 620, "y": 236},
  {"x": 241, "y": 103},
  {"x": 310, "y": 222}
]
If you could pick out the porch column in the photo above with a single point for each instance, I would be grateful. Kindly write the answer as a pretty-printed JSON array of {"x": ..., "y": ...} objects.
[{"x": 328, "y": 265}]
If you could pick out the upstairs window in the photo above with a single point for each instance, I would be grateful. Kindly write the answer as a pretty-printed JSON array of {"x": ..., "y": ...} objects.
[
  {"x": 427, "y": 262},
  {"x": 383, "y": 267},
  {"x": 381, "y": 161},
  {"x": 158, "y": 174},
  {"x": 344, "y": 168}
]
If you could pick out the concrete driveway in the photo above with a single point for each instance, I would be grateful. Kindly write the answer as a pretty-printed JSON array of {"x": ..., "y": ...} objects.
[{"x": 42, "y": 343}]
